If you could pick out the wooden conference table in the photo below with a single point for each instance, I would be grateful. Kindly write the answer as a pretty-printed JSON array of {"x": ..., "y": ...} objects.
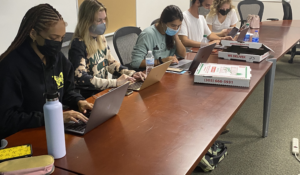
[
  {"x": 168, "y": 127},
  {"x": 59, "y": 171}
]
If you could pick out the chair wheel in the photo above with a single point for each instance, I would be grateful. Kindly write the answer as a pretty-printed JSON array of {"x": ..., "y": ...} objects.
[{"x": 290, "y": 61}]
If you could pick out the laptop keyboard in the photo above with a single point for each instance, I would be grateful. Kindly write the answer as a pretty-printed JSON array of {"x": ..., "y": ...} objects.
[
  {"x": 185, "y": 66},
  {"x": 88, "y": 113},
  {"x": 136, "y": 85},
  {"x": 76, "y": 126}
]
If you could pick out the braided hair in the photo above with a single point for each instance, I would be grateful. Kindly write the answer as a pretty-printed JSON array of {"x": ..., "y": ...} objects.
[{"x": 39, "y": 18}]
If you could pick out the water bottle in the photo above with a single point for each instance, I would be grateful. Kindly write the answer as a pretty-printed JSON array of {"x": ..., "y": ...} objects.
[
  {"x": 204, "y": 41},
  {"x": 149, "y": 62},
  {"x": 54, "y": 124},
  {"x": 255, "y": 37},
  {"x": 247, "y": 37},
  {"x": 245, "y": 26}
]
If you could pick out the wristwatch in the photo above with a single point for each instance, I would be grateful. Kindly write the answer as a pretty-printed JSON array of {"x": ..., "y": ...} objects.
[{"x": 160, "y": 60}]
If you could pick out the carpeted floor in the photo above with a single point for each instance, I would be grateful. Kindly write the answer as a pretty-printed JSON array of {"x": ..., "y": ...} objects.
[{"x": 250, "y": 154}]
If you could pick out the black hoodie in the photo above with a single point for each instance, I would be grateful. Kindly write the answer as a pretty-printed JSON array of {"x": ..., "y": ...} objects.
[{"x": 23, "y": 81}]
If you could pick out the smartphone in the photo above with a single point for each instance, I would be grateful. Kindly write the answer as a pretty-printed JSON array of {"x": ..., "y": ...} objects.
[
  {"x": 15, "y": 152},
  {"x": 233, "y": 32},
  {"x": 179, "y": 58},
  {"x": 129, "y": 91}
]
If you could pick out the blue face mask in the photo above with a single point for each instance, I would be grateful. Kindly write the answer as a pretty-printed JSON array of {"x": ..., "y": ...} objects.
[{"x": 171, "y": 32}]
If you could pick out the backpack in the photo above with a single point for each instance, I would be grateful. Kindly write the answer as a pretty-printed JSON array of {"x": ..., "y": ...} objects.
[
  {"x": 254, "y": 21},
  {"x": 215, "y": 155}
]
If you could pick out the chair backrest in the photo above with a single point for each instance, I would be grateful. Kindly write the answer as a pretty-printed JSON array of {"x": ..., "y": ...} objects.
[
  {"x": 287, "y": 10},
  {"x": 68, "y": 36},
  {"x": 155, "y": 21},
  {"x": 253, "y": 7},
  {"x": 66, "y": 43},
  {"x": 65, "y": 51},
  {"x": 124, "y": 40}
]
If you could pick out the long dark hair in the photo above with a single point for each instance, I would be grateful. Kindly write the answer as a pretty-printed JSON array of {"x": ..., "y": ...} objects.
[
  {"x": 170, "y": 13},
  {"x": 39, "y": 18}
]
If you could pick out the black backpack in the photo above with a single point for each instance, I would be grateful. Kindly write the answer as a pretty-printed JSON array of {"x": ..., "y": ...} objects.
[{"x": 215, "y": 155}]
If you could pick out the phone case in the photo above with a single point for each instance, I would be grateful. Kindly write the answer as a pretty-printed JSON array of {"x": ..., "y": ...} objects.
[{"x": 15, "y": 152}]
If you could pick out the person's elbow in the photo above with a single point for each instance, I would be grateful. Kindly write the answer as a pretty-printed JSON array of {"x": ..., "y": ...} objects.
[
  {"x": 135, "y": 63},
  {"x": 182, "y": 52},
  {"x": 185, "y": 43}
]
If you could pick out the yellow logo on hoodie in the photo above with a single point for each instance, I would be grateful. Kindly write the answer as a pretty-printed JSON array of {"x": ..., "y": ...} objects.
[{"x": 59, "y": 80}]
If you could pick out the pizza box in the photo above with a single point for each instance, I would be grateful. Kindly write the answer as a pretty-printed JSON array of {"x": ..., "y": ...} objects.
[
  {"x": 223, "y": 74},
  {"x": 246, "y": 51}
]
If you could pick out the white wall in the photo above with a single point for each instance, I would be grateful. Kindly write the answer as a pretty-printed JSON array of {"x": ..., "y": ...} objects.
[
  {"x": 147, "y": 11},
  {"x": 12, "y": 12}
]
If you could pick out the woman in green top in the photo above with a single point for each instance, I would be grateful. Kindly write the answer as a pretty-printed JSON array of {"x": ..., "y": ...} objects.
[{"x": 161, "y": 38}]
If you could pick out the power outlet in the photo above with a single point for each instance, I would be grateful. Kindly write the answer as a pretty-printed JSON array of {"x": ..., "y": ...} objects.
[{"x": 295, "y": 146}]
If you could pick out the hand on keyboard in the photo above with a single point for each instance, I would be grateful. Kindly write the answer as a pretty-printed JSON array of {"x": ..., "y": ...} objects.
[
  {"x": 173, "y": 58},
  {"x": 123, "y": 79},
  {"x": 139, "y": 76},
  {"x": 74, "y": 116},
  {"x": 83, "y": 106}
]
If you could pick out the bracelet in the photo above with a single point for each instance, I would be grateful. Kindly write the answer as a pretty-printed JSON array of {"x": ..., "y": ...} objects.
[{"x": 160, "y": 60}]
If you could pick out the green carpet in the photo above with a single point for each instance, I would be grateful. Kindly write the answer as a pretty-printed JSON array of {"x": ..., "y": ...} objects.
[{"x": 250, "y": 154}]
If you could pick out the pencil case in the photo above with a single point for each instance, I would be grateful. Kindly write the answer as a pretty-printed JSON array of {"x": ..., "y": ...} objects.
[{"x": 28, "y": 166}]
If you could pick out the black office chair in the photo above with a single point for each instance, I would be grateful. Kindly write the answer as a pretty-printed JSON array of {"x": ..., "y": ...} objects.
[
  {"x": 66, "y": 43},
  {"x": 124, "y": 40},
  {"x": 287, "y": 10},
  {"x": 288, "y": 15},
  {"x": 253, "y": 7},
  {"x": 155, "y": 21}
]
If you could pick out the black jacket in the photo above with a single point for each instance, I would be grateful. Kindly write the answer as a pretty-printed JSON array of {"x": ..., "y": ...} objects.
[{"x": 23, "y": 81}]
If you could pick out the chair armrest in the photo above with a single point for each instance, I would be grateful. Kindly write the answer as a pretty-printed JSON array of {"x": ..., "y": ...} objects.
[{"x": 273, "y": 19}]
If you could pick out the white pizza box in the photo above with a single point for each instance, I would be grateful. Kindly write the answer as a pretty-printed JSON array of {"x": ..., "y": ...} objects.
[
  {"x": 223, "y": 74},
  {"x": 246, "y": 51}
]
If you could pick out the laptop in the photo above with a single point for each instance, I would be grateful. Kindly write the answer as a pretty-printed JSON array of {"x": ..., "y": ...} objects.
[
  {"x": 154, "y": 76},
  {"x": 201, "y": 57},
  {"x": 242, "y": 35},
  {"x": 105, "y": 107}
]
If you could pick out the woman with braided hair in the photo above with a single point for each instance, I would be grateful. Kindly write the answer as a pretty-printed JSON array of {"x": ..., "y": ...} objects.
[{"x": 33, "y": 65}]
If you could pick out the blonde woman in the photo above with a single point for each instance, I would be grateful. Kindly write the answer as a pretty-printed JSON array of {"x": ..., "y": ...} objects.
[
  {"x": 90, "y": 54},
  {"x": 222, "y": 17}
]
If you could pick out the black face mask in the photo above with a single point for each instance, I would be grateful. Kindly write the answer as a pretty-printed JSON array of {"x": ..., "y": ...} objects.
[
  {"x": 50, "y": 48},
  {"x": 224, "y": 12}
]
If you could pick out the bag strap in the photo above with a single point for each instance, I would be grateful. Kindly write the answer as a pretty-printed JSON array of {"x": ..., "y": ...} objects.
[
  {"x": 216, "y": 159},
  {"x": 219, "y": 144}
]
